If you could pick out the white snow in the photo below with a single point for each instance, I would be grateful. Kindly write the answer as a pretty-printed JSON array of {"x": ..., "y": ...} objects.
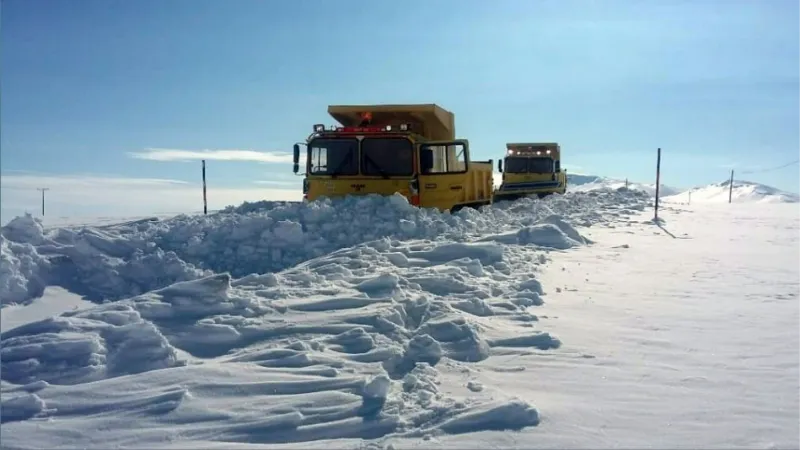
[
  {"x": 54, "y": 301},
  {"x": 743, "y": 192},
  {"x": 573, "y": 321}
]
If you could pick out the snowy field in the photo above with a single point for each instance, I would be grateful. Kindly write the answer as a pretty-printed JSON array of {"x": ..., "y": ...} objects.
[{"x": 573, "y": 321}]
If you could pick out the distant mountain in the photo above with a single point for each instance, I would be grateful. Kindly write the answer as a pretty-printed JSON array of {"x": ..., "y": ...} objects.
[
  {"x": 580, "y": 183},
  {"x": 743, "y": 192}
]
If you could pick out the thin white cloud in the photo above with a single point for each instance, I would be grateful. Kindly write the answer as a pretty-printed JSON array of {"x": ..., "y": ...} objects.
[
  {"x": 174, "y": 154},
  {"x": 279, "y": 182},
  {"x": 33, "y": 180},
  {"x": 96, "y": 195}
]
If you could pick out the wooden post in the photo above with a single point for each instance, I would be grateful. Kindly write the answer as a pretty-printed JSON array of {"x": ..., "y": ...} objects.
[
  {"x": 730, "y": 189},
  {"x": 205, "y": 199},
  {"x": 658, "y": 178},
  {"x": 43, "y": 190},
  {"x": 690, "y": 197}
]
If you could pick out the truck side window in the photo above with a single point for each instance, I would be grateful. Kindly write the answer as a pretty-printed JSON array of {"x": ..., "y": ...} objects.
[
  {"x": 449, "y": 158},
  {"x": 457, "y": 161},
  {"x": 319, "y": 160}
]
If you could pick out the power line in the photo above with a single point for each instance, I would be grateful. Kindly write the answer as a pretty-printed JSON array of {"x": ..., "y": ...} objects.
[{"x": 746, "y": 172}]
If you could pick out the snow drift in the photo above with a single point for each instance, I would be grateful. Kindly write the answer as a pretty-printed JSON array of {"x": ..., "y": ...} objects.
[
  {"x": 743, "y": 192},
  {"x": 288, "y": 323}
]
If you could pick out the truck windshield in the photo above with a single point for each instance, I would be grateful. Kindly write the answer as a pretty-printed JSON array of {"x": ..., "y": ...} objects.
[
  {"x": 333, "y": 157},
  {"x": 540, "y": 165},
  {"x": 387, "y": 157},
  {"x": 529, "y": 165}
]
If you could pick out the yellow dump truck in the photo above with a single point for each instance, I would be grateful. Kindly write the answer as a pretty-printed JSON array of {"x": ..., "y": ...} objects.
[
  {"x": 384, "y": 149},
  {"x": 531, "y": 169}
]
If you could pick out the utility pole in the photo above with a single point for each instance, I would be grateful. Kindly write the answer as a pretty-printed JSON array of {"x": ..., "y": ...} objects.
[
  {"x": 205, "y": 199},
  {"x": 658, "y": 179},
  {"x": 730, "y": 189},
  {"x": 42, "y": 190}
]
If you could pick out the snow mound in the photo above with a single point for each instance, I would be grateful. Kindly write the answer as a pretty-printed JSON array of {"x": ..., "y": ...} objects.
[
  {"x": 351, "y": 344},
  {"x": 115, "y": 262},
  {"x": 585, "y": 183},
  {"x": 743, "y": 192}
]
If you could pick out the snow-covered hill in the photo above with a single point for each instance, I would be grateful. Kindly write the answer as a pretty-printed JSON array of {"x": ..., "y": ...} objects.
[
  {"x": 743, "y": 192},
  {"x": 584, "y": 183}
]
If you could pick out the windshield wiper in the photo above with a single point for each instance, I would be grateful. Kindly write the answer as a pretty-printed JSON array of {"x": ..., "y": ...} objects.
[
  {"x": 376, "y": 166},
  {"x": 341, "y": 165}
]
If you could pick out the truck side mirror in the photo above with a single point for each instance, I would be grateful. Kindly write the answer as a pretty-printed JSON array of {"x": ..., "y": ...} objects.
[
  {"x": 426, "y": 159},
  {"x": 500, "y": 165},
  {"x": 296, "y": 158}
]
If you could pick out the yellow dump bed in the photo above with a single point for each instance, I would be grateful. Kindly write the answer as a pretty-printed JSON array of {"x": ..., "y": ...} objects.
[{"x": 429, "y": 120}]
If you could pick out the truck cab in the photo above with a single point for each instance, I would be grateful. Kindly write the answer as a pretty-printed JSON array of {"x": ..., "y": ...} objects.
[
  {"x": 388, "y": 149},
  {"x": 531, "y": 169}
]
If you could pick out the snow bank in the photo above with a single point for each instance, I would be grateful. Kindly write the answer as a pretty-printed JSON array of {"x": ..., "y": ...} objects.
[
  {"x": 114, "y": 262},
  {"x": 743, "y": 192}
]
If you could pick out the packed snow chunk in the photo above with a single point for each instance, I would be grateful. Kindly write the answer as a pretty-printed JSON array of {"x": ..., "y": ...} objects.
[
  {"x": 258, "y": 206},
  {"x": 352, "y": 341},
  {"x": 377, "y": 388},
  {"x": 532, "y": 285},
  {"x": 381, "y": 283},
  {"x": 484, "y": 252},
  {"x": 458, "y": 338},
  {"x": 513, "y": 415},
  {"x": 421, "y": 348},
  {"x": 566, "y": 228},
  {"x": 541, "y": 341},
  {"x": 22, "y": 272},
  {"x": 188, "y": 301},
  {"x": 107, "y": 266},
  {"x": 287, "y": 233},
  {"x": 474, "y": 386},
  {"x": 20, "y": 407},
  {"x": 24, "y": 229},
  {"x": 106, "y": 341},
  {"x": 552, "y": 232},
  {"x": 204, "y": 317}
]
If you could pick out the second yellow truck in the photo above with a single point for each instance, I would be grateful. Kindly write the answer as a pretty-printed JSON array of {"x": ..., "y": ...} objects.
[
  {"x": 384, "y": 149},
  {"x": 531, "y": 168}
]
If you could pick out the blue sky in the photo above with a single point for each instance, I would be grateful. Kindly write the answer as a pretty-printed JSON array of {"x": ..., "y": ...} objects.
[{"x": 87, "y": 83}]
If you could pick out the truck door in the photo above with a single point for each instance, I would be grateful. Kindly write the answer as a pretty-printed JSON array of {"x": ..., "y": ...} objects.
[{"x": 443, "y": 180}]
